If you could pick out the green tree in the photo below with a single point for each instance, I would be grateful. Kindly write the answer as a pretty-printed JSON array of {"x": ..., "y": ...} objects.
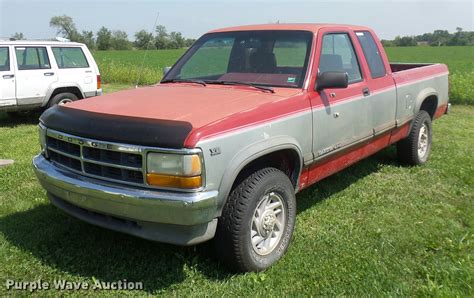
[
  {"x": 440, "y": 38},
  {"x": 119, "y": 41},
  {"x": 87, "y": 37},
  {"x": 65, "y": 26},
  {"x": 405, "y": 41},
  {"x": 17, "y": 36},
  {"x": 144, "y": 40},
  {"x": 177, "y": 40},
  {"x": 104, "y": 39},
  {"x": 162, "y": 39}
]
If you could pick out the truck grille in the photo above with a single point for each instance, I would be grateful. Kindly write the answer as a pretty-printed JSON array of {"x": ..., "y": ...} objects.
[{"x": 110, "y": 161}]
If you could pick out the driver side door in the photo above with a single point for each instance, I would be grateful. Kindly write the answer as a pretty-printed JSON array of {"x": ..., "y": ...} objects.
[{"x": 341, "y": 117}]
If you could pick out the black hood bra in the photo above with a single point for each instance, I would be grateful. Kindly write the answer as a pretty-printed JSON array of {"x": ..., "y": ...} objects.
[{"x": 117, "y": 128}]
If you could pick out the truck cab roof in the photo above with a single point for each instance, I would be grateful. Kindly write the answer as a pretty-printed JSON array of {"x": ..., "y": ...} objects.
[{"x": 312, "y": 27}]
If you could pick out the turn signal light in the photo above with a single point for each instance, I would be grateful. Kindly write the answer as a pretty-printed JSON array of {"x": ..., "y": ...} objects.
[{"x": 173, "y": 181}]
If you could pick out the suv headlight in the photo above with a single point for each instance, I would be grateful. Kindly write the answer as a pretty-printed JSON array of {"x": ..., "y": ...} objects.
[{"x": 174, "y": 170}]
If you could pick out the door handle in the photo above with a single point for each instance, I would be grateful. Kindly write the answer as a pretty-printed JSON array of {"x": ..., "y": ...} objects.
[
  {"x": 10, "y": 76},
  {"x": 48, "y": 74},
  {"x": 366, "y": 91}
]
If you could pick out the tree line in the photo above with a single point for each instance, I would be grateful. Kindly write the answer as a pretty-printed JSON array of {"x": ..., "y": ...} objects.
[
  {"x": 106, "y": 39},
  {"x": 437, "y": 38}
]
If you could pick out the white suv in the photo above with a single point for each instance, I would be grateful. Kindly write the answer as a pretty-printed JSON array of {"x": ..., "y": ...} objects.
[{"x": 40, "y": 74}]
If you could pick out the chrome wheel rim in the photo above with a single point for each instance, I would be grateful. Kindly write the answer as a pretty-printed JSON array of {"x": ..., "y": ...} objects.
[
  {"x": 268, "y": 223},
  {"x": 64, "y": 101},
  {"x": 423, "y": 141}
]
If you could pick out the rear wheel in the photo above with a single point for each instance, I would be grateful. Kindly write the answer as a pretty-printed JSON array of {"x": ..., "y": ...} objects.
[
  {"x": 257, "y": 221},
  {"x": 416, "y": 148},
  {"x": 62, "y": 98}
]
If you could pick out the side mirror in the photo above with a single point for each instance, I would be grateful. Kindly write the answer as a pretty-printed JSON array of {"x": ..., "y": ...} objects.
[
  {"x": 166, "y": 70},
  {"x": 332, "y": 79}
]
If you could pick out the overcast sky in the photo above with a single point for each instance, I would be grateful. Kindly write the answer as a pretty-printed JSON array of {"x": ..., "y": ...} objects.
[{"x": 193, "y": 18}]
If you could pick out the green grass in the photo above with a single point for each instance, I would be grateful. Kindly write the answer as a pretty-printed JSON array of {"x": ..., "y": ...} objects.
[
  {"x": 126, "y": 66},
  {"x": 123, "y": 66},
  {"x": 376, "y": 228}
]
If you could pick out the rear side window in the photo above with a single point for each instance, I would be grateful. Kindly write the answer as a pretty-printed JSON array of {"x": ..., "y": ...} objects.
[
  {"x": 338, "y": 55},
  {"x": 372, "y": 54},
  {"x": 29, "y": 58},
  {"x": 4, "y": 59},
  {"x": 70, "y": 57}
]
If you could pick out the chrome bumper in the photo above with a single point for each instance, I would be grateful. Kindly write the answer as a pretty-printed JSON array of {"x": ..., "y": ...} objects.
[{"x": 178, "y": 218}]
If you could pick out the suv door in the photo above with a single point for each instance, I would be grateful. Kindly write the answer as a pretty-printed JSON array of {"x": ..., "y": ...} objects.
[
  {"x": 34, "y": 74},
  {"x": 7, "y": 79},
  {"x": 341, "y": 117}
]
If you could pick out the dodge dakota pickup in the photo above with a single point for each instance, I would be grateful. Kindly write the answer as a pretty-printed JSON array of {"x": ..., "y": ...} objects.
[{"x": 245, "y": 119}]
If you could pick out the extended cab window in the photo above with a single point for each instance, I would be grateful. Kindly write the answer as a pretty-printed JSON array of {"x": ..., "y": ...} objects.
[
  {"x": 29, "y": 58},
  {"x": 70, "y": 57},
  {"x": 4, "y": 59},
  {"x": 372, "y": 54},
  {"x": 338, "y": 55},
  {"x": 276, "y": 58}
]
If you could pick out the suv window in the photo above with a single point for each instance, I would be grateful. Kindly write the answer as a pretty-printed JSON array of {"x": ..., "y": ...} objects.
[
  {"x": 372, "y": 54},
  {"x": 32, "y": 58},
  {"x": 338, "y": 55},
  {"x": 4, "y": 59},
  {"x": 70, "y": 57}
]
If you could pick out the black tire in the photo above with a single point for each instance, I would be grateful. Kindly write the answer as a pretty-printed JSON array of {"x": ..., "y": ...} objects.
[
  {"x": 407, "y": 149},
  {"x": 14, "y": 114},
  {"x": 62, "y": 98},
  {"x": 233, "y": 239}
]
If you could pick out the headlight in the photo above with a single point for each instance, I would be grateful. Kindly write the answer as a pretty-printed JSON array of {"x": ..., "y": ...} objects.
[
  {"x": 174, "y": 170},
  {"x": 42, "y": 138}
]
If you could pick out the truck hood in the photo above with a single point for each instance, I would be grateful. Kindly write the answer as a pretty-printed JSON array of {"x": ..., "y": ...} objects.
[
  {"x": 197, "y": 105},
  {"x": 160, "y": 116}
]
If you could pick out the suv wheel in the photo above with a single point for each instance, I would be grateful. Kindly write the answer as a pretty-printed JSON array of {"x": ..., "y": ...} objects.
[
  {"x": 62, "y": 98},
  {"x": 416, "y": 148},
  {"x": 257, "y": 221}
]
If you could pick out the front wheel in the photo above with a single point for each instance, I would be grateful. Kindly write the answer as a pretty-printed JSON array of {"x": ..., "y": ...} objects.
[
  {"x": 416, "y": 148},
  {"x": 257, "y": 221}
]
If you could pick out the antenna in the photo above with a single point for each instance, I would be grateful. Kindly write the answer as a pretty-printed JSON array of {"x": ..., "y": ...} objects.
[{"x": 146, "y": 51}]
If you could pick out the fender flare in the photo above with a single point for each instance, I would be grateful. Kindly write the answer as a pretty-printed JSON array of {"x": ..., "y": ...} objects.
[
  {"x": 250, "y": 153},
  {"x": 424, "y": 94},
  {"x": 56, "y": 85}
]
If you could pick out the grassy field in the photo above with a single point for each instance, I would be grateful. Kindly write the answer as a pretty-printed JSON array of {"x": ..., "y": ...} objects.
[
  {"x": 377, "y": 228},
  {"x": 123, "y": 66}
]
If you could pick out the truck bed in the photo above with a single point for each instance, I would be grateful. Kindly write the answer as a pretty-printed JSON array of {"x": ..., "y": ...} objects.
[{"x": 396, "y": 67}]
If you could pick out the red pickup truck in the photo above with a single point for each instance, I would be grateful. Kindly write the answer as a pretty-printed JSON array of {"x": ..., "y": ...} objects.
[{"x": 245, "y": 119}]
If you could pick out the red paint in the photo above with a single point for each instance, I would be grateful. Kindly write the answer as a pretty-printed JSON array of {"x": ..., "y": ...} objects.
[
  {"x": 339, "y": 161},
  {"x": 400, "y": 133},
  {"x": 440, "y": 111}
]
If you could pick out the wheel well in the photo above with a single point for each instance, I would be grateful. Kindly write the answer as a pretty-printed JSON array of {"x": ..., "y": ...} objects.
[
  {"x": 429, "y": 105},
  {"x": 286, "y": 160},
  {"x": 73, "y": 90}
]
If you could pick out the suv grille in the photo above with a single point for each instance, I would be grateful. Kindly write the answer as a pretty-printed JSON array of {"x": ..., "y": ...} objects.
[{"x": 121, "y": 163}]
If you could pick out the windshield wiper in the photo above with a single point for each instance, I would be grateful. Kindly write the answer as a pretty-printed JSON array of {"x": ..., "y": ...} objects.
[
  {"x": 268, "y": 89},
  {"x": 183, "y": 81}
]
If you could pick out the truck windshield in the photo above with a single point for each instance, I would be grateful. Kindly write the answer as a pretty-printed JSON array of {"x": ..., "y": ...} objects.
[{"x": 275, "y": 58}]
